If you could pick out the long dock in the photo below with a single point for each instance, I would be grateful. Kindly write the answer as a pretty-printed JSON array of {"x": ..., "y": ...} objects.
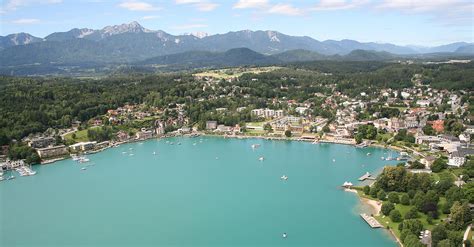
[
  {"x": 366, "y": 176},
  {"x": 371, "y": 221}
]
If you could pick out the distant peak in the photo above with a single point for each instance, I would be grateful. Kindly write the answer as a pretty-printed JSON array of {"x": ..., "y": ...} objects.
[
  {"x": 200, "y": 35},
  {"x": 132, "y": 27}
]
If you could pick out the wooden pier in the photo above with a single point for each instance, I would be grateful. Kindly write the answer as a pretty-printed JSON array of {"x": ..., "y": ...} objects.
[
  {"x": 366, "y": 176},
  {"x": 371, "y": 221}
]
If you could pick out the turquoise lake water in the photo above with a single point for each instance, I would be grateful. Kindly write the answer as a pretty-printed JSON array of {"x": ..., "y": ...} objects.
[{"x": 205, "y": 192}]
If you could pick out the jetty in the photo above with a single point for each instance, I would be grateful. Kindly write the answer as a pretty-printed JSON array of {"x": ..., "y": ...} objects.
[
  {"x": 371, "y": 221},
  {"x": 367, "y": 176}
]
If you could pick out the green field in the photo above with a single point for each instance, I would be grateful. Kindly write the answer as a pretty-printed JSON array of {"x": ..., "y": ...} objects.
[{"x": 81, "y": 135}]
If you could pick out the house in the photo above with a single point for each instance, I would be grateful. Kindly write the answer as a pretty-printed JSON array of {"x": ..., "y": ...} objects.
[
  {"x": 423, "y": 103},
  {"x": 301, "y": 110},
  {"x": 211, "y": 125},
  {"x": 41, "y": 142},
  {"x": 456, "y": 159},
  {"x": 52, "y": 151},
  {"x": 223, "y": 128},
  {"x": 427, "y": 161},
  {"x": 122, "y": 136},
  {"x": 82, "y": 146},
  {"x": 144, "y": 134}
]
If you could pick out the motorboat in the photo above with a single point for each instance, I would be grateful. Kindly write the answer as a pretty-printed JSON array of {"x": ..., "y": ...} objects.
[
  {"x": 83, "y": 168},
  {"x": 368, "y": 154},
  {"x": 284, "y": 177},
  {"x": 284, "y": 235},
  {"x": 261, "y": 158},
  {"x": 333, "y": 160}
]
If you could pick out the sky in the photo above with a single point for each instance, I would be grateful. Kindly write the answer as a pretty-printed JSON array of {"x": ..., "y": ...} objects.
[{"x": 401, "y": 22}]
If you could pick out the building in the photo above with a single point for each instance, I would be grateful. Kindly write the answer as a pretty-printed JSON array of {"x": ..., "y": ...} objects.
[
  {"x": 52, "y": 151},
  {"x": 423, "y": 103},
  {"x": 41, "y": 142},
  {"x": 122, "y": 136},
  {"x": 456, "y": 159},
  {"x": 144, "y": 134},
  {"x": 82, "y": 146},
  {"x": 211, "y": 125}
]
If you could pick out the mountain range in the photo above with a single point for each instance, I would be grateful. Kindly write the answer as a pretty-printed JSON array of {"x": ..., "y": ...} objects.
[{"x": 132, "y": 43}]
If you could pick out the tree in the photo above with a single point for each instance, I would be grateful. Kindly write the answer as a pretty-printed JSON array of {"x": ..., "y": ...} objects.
[
  {"x": 395, "y": 215},
  {"x": 446, "y": 243},
  {"x": 411, "y": 214},
  {"x": 460, "y": 215},
  {"x": 413, "y": 225},
  {"x": 438, "y": 233},
  {"x": 326, "y": 129},
  {"x": 381, "y": 195},
  {"x": 366, "y": 190},
  {"x": 288, "y": 133},
  {"x": 405, "y": 200},
  {"x": 438, "y": 165},
  {"x": 411, "y": 240},
  {"x": 428, "y": 130},
  {"x": 393, "y": 197},
  {"x": 268, "y": 127},
  {"x": 387, "y": 207}
]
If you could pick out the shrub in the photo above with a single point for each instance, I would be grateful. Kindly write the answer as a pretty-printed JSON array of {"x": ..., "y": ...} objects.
[
  {"x": 387, "y": 207},
  {"x": 393, "y": 197},
  {"x": 395, "y": 216}
]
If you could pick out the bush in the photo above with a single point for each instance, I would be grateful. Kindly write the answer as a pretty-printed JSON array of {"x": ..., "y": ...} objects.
[
  {"x": 373, "y": 191},
  {"x": 439, "y": 165},
  {"x": 387, "y": 207},
  {"x": 393, "y": 197},
  {"x": 287, "y": 133},
  {"x": 405, "y": 200},
  {"x": 438, "y": 233},
  {"x": 413, "y": 225},
  {"x": 395, "y": 216}
]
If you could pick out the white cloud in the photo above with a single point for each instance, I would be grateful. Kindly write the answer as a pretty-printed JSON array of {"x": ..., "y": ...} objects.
[
  {"x": 251, "y": 4},
  {"x": 451, "y": 12},
  {"x": 138, "y": 6},
  {"x": 285, "y": 9},
  {"x": 190, "y": 26},
  {"x": 150, "y": 17},
  {"x": 26, "y": 21},
  {"x": 11, "y": 5},
  {"x": 339, "y": 4},
  {"x": 201, "y": 5}
]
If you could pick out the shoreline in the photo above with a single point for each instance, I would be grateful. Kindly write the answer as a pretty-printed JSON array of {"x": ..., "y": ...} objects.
[{"x": 377, "y": 207}]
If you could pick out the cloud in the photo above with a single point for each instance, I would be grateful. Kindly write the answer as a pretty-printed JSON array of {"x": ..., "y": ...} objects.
[
  {"x": 190, "y": 26},
  {"x": 339, "y": 4},
  {"x": 138, "y": 6},
  {"x": 450, "y": 12},
  {"x": 26, "y": 21},
  {"x": 11, "y": 5},
  {"x": 201, "y": 5},
  {"x": 285, "y": 9},
  {"x": 251, "y": 4},
  {"x": 150, "y": 17}
]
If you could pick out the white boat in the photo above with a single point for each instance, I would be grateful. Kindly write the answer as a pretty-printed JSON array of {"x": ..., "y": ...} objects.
[
  {"x": 131, "y": 154},
  {"x": 154, "y": 153},
  {"x": 261, "y": 158},
  {"x": 333, "y": 160},
  {"x": 368, "y": 154},
  {"x": 11, "y": 177},
  {"x": 194, "y": 144},
  {"x": 254, "y": 146},
  {"x": 284, "y": 177},
  {"x": 83, "y": 168},
  {"x": 347, "y": 184},
  {"x": 382, "y": 158},
  {"x": 284, "y": 235}
]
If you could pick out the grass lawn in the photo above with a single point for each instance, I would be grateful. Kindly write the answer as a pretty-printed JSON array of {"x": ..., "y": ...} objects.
[
  {"x": 81, "y": 135},
  {"x": 235, "y": 72},
  {"x": 256, "y": 124}
]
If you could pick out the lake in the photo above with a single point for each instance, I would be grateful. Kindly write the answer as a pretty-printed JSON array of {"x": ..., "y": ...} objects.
[{"x": 207, "y": 191}]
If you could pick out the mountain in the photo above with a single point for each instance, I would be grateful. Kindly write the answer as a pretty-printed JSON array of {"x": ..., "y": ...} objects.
[
  {"x": 467, "y": 49},
  {"x": 17, "y": 39},
  {"x": 196, "y": 59},
  {"x": 131, "y": 43},
  {"x": 364, "y": 55}
]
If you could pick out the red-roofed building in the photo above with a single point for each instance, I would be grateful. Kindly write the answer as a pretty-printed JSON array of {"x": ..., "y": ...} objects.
[{"x": 438, "y": 125}]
